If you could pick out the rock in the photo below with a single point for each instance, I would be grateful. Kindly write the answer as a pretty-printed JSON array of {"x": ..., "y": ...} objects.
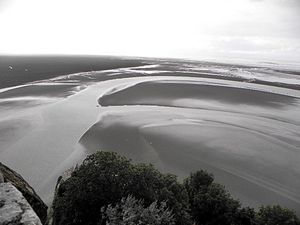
[
  {"x": 27, "y": 191},
  {"x": 14, "y": 209}
]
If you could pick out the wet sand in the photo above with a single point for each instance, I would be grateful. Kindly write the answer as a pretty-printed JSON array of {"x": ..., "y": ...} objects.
[
  {"x": 240, "y": 152},
  {"x": 17, "y": 70},
  {"x": 245, "y": 132},
  {"x": 167, "y": 91}
]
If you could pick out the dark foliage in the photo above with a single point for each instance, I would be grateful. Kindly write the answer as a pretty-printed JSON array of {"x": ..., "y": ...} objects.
[
  {"x": 245, "y": 216},
  {"x": 151, "y": 185},
  {"x": 276, "y": 215},
  {"x": 210, "y": 202},
  {"x": 104, "y": 178}
]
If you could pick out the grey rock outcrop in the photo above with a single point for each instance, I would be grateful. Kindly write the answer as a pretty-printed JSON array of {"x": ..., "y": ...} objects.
[
  {"x": 14, "y": 209},
  {"x": 40, "y": 208}
]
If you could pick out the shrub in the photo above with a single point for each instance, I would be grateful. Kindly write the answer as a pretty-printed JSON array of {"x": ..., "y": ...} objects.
[
  {"x": 101, "y": 179},
  {"x": 211, "y": 204},
  {"x": 151, "y": 185},
  {"x": 132, "y": 211},
  {"x": 96, "y": 194},
  {"x": 104, "y": 178},
  {"x": 245, "y": 216},
  {"x": 276, "y": 215}
]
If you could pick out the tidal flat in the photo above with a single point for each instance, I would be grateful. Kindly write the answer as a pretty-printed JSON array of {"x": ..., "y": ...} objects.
[{"x": 239, "y": 122}]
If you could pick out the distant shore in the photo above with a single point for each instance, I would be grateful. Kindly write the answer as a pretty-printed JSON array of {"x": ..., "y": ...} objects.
[{"x": 18, "y": 70}]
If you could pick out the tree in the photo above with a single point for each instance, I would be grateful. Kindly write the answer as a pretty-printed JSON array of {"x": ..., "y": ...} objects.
[
  {"x": 132, "y": 211},
  {"x": 211, "y": 204},
  {"x": 214, "y": 206},
  {"x": 197, "y": 181},
  {"x": 276, "y": 215},
  {"x": 151, "y": 185},
  {"x": 104, "y": 178},
  {"x": 245, "y": 216}
]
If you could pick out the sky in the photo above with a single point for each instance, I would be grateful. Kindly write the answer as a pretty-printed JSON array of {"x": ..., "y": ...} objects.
[{"x": 197, "y": 29}]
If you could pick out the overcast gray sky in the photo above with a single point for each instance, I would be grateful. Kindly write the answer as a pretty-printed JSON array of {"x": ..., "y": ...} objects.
[{"x": 199, "y": 29}]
